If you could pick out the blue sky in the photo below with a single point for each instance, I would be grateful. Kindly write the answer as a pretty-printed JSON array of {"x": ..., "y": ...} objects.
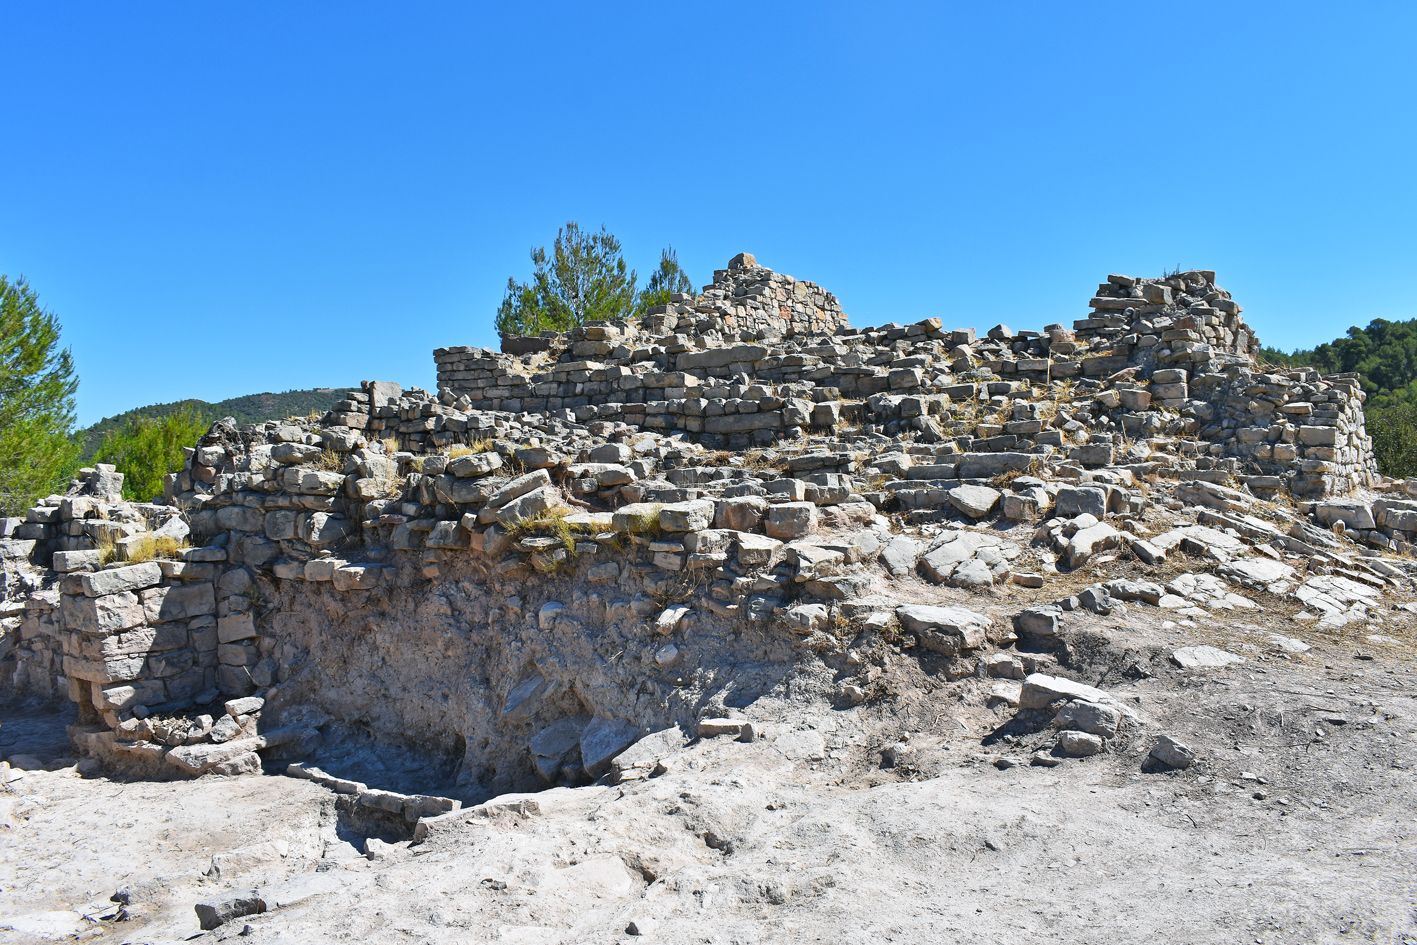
[{"x": 224, "y": 198}]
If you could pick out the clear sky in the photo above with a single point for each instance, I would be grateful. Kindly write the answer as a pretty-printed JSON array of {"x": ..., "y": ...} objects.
[{"x": 224, "y": 198}]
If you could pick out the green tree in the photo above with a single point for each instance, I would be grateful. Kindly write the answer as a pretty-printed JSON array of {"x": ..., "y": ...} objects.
[
  {"x": 146, "y": 449},
  {"x": 1394, "y": 433},
  {"x": 37, "y": 385},
  {"x": 582, "y": 279},
  {"x": 664, "y": 282}
]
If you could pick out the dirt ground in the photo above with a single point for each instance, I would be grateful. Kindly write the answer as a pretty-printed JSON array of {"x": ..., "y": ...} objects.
[{"x": 1296, "y": 825}]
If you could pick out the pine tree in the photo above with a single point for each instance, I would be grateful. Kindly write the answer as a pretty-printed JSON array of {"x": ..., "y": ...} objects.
[
  {"x": 37, "y": 385},
  {"x": 583, "y": 279},
  {"x": 665, "y": 282}
]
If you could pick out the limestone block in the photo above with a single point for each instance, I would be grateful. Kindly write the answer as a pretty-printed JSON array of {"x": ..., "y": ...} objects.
[
  {"x": 179, "y": 602},
  {"x": 1041, "y": 690},
  {"x": 528, "y": 505},
  {"x": 974, "y": 501},
  {"x": 519, "y": 487},
  {"x": 686, "y": 516},
  {"x": 476, "y": 464},
  {"x": 100, "y": 615},
  {"x": 133, "y": 577},
  {"x": 791, "y": 520},
  {"x": 945, "y": 629}
]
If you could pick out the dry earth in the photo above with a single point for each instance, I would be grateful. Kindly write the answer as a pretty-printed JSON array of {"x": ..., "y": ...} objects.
[{"x": 1296, "y": 826}]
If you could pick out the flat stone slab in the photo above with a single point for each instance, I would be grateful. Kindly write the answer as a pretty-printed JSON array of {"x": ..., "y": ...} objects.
[
  {"x": 965, "y": 627},
  {"x": 1204, "y": 657}
]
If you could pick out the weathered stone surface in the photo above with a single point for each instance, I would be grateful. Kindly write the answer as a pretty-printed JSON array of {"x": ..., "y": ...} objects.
[
  {"x": 180, "y": 602},
  {"x": 1204, "y": 657},
  {"x": 791, "y": 520},
  {"x": 1171, "y": 754},
  {"x": 1094, "y": 718},
  {"x": 900, "y": 555},
  {"x": 475, "y": 464},
  {"x": 1082, "y": 500},
  {"x": 975, "y": 501},
  {"x": 131, "y": 577},
  {"x": 686, "y": 516},
  {"x": 357, "y": 577},
  {"x": 528, "y": 505},
  {"x": 1077, "y": 744},
  {"x": 519, "y": 487},
  {"x": 218, "y": 910},
  {"x": 1089, "y": 541},
  {"x": 602, "y": 740},
  {"x": 968, "y": 559},
  {"x": 1041, "y": 690},
  {"x": 946, "y": 629}
]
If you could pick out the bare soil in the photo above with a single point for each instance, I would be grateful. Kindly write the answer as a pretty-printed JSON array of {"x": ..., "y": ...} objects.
[{"x": 1296, "y": 824}]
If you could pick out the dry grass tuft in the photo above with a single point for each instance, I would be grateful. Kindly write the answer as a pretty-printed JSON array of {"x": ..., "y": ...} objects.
[
  {"x": 551, "y": 523},
  {"x": 329, "y": 461},
  {"x": 146, "y": 548},
  {"x": 484, "y": 445},
  {"x": 644, "y": 524}
]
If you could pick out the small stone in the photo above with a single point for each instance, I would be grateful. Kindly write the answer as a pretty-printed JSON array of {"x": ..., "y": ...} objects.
[
  {"x": 1005, "y": 693},
  {"x": 712, "y": 728},
  {"x": 640, "y": 926},
  {"x": 668, "y": 621},
  {"x": 1171, "y": 754},
  {"x": 214, "y": 912},
  {"x": 1079, "y": 744},
  {"x": 244, "y": 706}
]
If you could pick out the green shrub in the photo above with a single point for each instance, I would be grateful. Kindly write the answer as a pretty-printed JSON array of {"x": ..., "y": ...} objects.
[{"x": 146, "y": 449}]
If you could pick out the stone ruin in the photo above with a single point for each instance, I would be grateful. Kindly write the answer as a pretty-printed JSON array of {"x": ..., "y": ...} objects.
[
  {"x": 759, "y": 358},
  {"x": 636, "y": 526}
]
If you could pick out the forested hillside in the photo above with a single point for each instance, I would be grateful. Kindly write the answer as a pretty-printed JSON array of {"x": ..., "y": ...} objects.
[
  {"x": 1385, "y": 354},
  {"x": 251, "y": 408}
]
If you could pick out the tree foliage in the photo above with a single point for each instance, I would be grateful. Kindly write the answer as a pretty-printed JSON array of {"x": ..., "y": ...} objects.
[
  {"x": 1384, "y": 354},
  {"x": 664, "y": 282},
  {"x": 583, "y": 278},
  {"x": 37, "y": 385},
  {"x": 147, "y": 448}
]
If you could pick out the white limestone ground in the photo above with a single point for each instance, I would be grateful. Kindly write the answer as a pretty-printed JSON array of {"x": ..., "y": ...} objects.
[{"x": 1292, "y": 825}]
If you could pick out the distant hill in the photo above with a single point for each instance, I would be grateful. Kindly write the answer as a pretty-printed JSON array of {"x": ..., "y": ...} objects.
[{"x": 251, "y": 408}]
